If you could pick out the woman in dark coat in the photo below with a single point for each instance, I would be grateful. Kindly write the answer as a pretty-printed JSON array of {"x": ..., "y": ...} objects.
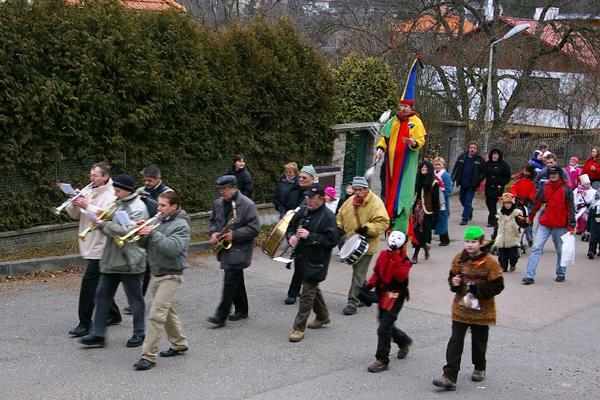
[
  {"x": 288, "y": 195},
  {"x": 425, "y": 209},
  {"x": 497, "y": 175},
  {"x": 244, "y": 179}
]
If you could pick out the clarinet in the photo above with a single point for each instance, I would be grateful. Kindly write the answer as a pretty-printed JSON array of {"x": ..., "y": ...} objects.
[{"x": 304, "y": 219}]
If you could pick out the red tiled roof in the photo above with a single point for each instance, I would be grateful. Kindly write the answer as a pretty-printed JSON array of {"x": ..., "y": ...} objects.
[
  {"x": 152, "y": 5},
  {"x": 430, "y": 23},
  {"x": 552, "y": 35}
]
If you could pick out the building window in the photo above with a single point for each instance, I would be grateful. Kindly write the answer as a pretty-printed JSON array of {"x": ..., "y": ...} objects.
[{"x": 542, "y": 93}]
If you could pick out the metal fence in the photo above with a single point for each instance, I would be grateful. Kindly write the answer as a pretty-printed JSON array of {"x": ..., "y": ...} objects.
[{"x": 194, "y": 179}]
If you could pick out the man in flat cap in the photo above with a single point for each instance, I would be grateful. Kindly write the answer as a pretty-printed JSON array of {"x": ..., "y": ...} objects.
[
  {"x": 306, "y": 179},
  {"x": 362, "y": 214},
  {"x": 233, "y": 226}
]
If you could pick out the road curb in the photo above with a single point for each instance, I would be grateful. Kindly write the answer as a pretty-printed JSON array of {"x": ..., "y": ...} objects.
[{"x": 61, "y": 263}]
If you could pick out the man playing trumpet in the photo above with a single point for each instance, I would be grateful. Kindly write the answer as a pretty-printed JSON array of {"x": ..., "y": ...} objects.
[
  {"x": 118, "y": 264},
  {"x": 167, "y": 255},
  {"x": 91, "y": 247}
]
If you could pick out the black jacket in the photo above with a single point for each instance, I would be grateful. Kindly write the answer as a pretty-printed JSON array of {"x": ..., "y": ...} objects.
[
  {"x": 497, "y": 175},
  {"x": 244, "y": 181},
  {"x": 150, "y": 196},
  {"x": 245, "y": 230},
  {"x": 288, "y": 195},
  {"x": 314, "y": 252},
  {"x": 478, "y": 173}
]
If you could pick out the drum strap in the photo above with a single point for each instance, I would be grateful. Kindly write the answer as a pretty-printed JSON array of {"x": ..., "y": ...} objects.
[{"x": 358, "y": 224}]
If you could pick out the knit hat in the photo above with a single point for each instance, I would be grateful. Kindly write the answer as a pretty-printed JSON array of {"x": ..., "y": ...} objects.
[
  {"x": 359, "y": 181},
  {"x": 310, "y": 170},
  {"x": 329, "y": 191},
  {"x": 408, "y": 102},
  {"x": 507, "y": 198},
  {"x": 124, "y": 182},
  {"x": 584, "y": 179},
  {"x": 474, "y": 233}
]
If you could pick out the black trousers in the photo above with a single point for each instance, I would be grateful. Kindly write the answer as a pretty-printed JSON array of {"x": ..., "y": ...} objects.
[
  {"x": 491, "y": 203},
  {"x": 506, "y": 255},
  {"x": 234, "y": 292},
  {"x": 593, "y": 247},
  {"x": 479, "y": 339},
  {"x": 296, "y": 283},
  {"x": 387, "y": 331},
  {"x": 87, "y": 295}
]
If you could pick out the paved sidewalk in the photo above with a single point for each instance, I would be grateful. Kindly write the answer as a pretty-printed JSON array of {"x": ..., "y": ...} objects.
[{"x": 544, "y": 347}]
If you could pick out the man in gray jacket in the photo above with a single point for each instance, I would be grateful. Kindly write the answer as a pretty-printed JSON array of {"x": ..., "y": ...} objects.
[
  {"x": 118, "y": 264},
  {"x": 167, "y": 256},
  {"x": 233, "y": 227}
]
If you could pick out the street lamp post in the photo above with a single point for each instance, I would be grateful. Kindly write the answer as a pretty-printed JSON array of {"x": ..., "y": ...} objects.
[{"x": 488, "y": 98}]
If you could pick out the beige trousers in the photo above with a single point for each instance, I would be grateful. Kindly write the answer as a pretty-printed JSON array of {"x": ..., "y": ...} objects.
[{"x": 162, "y": 315}]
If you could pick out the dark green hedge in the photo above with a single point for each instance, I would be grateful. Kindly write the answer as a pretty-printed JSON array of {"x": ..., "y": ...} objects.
[{"x": 136, "y": 88}]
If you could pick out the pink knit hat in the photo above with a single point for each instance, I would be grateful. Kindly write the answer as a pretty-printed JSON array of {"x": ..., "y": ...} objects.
[{"x": 329, "y": 191}]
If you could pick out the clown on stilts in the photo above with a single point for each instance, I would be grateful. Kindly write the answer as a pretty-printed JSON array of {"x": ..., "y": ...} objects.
[{"x": 401, "y": 139}]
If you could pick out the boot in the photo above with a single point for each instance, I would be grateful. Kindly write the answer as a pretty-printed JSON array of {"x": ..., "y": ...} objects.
[
  {"x": 444, "y": 239},
  {"x": 415, "y": 257}
]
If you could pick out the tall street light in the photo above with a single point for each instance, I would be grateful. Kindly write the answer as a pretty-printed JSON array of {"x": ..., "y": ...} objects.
[{"x": 488, "y": 99}]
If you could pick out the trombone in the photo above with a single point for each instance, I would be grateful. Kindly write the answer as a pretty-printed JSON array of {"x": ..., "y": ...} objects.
[
  {"x": 133, "y": 235},
  {"x": 106, "y": 214},
  {"x": 83, "y": 192}
]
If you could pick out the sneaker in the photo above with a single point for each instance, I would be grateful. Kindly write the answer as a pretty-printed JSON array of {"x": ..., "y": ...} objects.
[
  {"x": 316, "y": 324},
  {"x": 296, "y": 336},
  {"x": 478, "y": 375},
  {"x": 445, "y": 382},
  {"x": 143, "y": 364},
  {"x": 349, "y": 309},
  {"x": 378, "y": 366},
  {"x": 463, "y": 222},
  {"x": 560, "y": 278},
  {"x": 590, "y": 255},
  {"x": 403, "y": 350},
  {"x": 289, "y": 300},
  {"x": 527, "y": 281}
]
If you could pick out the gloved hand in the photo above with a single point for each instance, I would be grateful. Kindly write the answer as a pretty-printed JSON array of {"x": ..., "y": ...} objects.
[
  {"x": 472, "y": 288},
  {"x": 362, "y": 231}
]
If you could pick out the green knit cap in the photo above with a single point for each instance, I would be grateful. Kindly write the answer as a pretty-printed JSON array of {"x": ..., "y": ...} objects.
[{"x": 473, "y": 233}]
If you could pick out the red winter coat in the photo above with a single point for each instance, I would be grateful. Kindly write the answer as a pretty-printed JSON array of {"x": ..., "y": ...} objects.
[
  {"x": 560, "y": 208},
  {"x": 587, "y": 169},
  {"x": 391, "y": 270},
  {"x": 523, "y": 188}
]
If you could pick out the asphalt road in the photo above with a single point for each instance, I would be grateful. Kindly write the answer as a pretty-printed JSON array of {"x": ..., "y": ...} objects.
[{"x": 545, "y": 345}]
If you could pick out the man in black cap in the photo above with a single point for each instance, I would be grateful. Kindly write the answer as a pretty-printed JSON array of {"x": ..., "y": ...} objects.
[
  {"x": 120, "y": 264},
  {"x": 557, "y": 219},
  {"x": 312, "y": 233},
  {"x": 233, "y": 226}
]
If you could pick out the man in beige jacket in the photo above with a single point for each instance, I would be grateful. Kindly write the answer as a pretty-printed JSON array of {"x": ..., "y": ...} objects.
[
  {"x": 91, "y": 247},
  {"x": 364, "y": 214}
]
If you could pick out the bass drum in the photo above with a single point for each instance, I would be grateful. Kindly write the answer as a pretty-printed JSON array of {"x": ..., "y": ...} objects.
[
  {"x": 353, "y": 250},
  {"x": 275, "y": 244}
]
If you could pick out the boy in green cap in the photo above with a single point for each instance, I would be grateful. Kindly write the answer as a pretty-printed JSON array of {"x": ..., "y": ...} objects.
[{"x": 475, "y": 277}]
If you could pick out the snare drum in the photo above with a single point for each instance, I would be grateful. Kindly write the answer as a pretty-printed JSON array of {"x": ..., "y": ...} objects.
[{"x": 353, "y": 249}]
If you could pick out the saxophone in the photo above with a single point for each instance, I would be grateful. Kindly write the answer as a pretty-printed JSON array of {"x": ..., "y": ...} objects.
[{"x": 223, "y": 244}]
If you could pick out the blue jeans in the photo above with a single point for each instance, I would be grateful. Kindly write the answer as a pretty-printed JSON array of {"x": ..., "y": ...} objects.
[
  {"x": 466, "y": 199},
  {"x": 541, "y": 237}
]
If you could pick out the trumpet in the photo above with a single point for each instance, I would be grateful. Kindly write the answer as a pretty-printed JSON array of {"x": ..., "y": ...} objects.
[
  {"x": 133, "y": 235},
  {"x": 83, "y": 192},
  {"x": 106, "y": 214},
  {"x": 223, "y": 244}
]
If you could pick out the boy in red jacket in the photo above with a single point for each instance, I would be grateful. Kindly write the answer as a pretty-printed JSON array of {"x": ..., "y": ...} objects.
[
  {"x": 390, "y": 278},
  {"x": 557, "y": 219}
]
